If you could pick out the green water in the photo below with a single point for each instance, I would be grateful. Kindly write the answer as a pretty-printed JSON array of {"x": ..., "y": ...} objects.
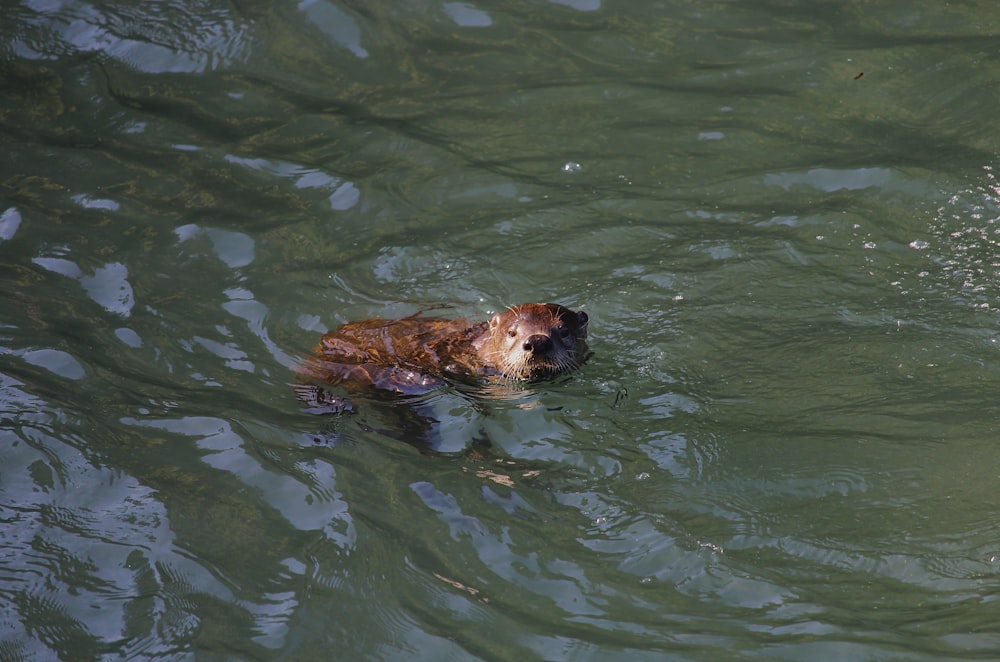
[{"x": 781, "y": 217}]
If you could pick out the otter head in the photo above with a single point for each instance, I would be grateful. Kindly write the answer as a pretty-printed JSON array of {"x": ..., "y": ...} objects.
[{"x": 535, "y": 340}]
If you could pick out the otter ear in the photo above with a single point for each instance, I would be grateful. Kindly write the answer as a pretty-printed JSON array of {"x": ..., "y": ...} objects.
[{"x": 582, "y": 320}]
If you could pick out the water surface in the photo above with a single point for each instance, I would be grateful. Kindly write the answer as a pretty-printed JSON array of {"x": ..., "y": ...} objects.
[{"x": 782, "y": 219}]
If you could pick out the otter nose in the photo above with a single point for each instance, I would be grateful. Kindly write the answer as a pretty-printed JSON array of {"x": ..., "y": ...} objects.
[{"x": 538, "y": 344}]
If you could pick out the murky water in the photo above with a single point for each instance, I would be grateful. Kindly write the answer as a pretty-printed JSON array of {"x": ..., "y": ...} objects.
[{"x": 782, "y": 219}]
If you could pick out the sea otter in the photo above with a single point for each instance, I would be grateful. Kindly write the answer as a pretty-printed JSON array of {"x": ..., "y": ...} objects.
[{"x": 415, "y": 354}]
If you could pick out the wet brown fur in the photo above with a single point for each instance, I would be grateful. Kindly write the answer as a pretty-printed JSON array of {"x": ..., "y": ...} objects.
[{"x": 413, "y": 354}]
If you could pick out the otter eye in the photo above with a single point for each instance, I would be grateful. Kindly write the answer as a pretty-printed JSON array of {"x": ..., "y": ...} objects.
[
  {"x": 563, "y": 331},
  {"x": 512, "y": 333}
]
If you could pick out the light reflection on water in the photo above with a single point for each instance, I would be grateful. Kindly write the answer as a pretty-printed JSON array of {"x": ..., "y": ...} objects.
[
  {"x": 151, "y": 41},
  {"x": 782, "y": 444}
]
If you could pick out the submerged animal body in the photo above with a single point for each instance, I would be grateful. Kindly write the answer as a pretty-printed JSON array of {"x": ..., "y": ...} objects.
[{"x": 414, "y": 354}]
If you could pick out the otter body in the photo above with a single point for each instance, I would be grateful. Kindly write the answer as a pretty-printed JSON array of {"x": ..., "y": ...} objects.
[{"x": 414, "y": 354}]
